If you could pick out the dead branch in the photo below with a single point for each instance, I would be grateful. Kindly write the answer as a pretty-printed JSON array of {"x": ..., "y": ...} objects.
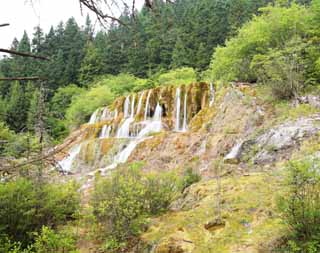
[
  {"x": 48, "y": 157},
  {"x": 7, "y": 51},
  {"x": 32, "y": 78},
  {"x": 2, "y": 25}
]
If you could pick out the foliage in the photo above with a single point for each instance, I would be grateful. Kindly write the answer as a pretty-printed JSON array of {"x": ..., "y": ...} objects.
[
  {"x": 300, "y": 206},
  {"x": 190, "y": 177},
  {"x": 177, "y": 77},
  {"x": 122, "y": 83},
  {"x": 83, "y": 105},
  {"x": 124, "y": 201},
  {"x": 63, "y": 98},
  {"x": 283, "y": 69},
  {"x": 26, "y": 206},
  {"x": 49, "y": 241}
]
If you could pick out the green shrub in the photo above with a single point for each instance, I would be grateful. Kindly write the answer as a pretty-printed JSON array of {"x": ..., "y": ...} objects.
[
  {"x": 270, "y": 31},
  {"x": 123, "y": 83},
  {"x": 63, "y": 98},
  {"x": 283, "y": 70},
  {"x": 26, "y": 206},
  {"x": 86, "y": 103},
  {"x": 49, "y": 241},
  {"x": 190, "y": 177},
  {"x": 300, "y": 205},
  {"x": 176, "y": 77},
  {"x": 124, "y": 201}
]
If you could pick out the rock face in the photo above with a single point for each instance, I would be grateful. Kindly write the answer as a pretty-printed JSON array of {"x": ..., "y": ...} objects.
[
  {"x": 278, "y": 141},
  {"x": 113, "y": 132}
]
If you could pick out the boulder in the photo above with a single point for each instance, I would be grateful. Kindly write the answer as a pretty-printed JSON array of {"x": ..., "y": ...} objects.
[
  {"x": 281, "y": 139},
  {"x": 233, "y": 157}
]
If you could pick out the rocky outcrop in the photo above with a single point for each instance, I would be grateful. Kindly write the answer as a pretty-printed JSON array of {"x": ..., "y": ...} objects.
[{"x": 279, "y": 141}]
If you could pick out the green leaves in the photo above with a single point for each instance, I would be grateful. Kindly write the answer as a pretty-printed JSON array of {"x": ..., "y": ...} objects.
[
  {"x": 300, "y": 206},
  {"x": 124, "y": 201}
]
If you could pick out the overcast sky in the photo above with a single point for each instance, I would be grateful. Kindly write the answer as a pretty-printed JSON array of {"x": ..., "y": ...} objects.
[{"x": 22, "y": 16}]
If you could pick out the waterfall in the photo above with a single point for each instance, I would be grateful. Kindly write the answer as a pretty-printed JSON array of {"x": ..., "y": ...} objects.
[
  {"x": 105, "y": 132},
  {"x": 151, "y": 126},
  {"x": 115, "y": 113},
  {"x": 93, "y": 117},
  {"x": 132, "y": 106},
  {"x": 147, "y": 108},
  {"x": 66, "y": 163},
  {"x": 124, "y": 130},
  {"x": 212, "y": 94},
  {"x": 140, "y": 103},
  {"x": 185, "y": 125},
  {"x": 178, "y": 92},
  {"x": 126, "y": 107}
]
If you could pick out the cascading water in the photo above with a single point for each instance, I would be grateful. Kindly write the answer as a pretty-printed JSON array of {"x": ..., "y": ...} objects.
[
  {"x": 93, "y": 117},
  {"x": 212, "y": 94},
  {"x": 132, "y": 106},
  {"x": 185, "y": 124},
  {"x": 147, "y": 108},
  {"x": 178, "y": 103},
  {"x": 66, "y": 163},
  {"x": 115, "y": 114},
  {"x": 151, "y": 126},
  {"x": 126, "y": 107},
  {"x": 105, "y": 132},
  {"x": 140, "y": 103},
  {"x": 124, "y": 130}
]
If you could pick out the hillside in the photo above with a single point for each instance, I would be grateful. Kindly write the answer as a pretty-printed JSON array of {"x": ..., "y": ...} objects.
[
  {"x": 183, "y": 127},
  {"x": 252, "y": 138}
]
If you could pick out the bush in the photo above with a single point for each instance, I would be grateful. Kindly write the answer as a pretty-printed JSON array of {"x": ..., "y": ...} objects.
[
  {"x": 26, "y": 206},
  {"x": 49, "y": 241},
  {"x": 283, "y": 69},
  {"x": 124, "y": 201},
  {"x": 189, "y": 178},
  {"x": 176, "y": 77},
  {"x": 86, "y": 103},
  {"x": 123, "y": 83},
  {"x": 270, "y": 31},
  {"x": 300, "y": 206},
  {"x": 63, "y": 98}
]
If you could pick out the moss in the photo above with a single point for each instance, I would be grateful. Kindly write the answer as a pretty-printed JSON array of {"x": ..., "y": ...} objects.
[{"x": 246, "y": 205}]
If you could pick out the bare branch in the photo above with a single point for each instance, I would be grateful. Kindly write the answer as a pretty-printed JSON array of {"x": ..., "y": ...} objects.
[
  {"x": 32, "y": 78},
  {"x": 23, "y": 54},
  {"x": 2, "y": 25}
]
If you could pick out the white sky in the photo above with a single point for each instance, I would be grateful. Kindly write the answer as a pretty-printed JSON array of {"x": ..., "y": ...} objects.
[{"x": 22, "y": 16}]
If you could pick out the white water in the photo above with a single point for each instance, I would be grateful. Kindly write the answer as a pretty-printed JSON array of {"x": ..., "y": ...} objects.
[
  {"x": 147, "y": 108},
  {"x": 212, "y": 94},
  {"x": 124, "y": 130},
  {"x": 151, "y": 126},
  {"x": 115, "y": 113},
  {"x": 140, "y": 103},
  {"x": 93, "y": 117},
  {"x": 132, "y": 106},
  {"x": 105, "y": 133},
  {"x": 126, "y": 107},
  {"x": 178, "y": 102},
  {"x": 185, "y": 124},
  {"x": 67, "y": 162}
]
